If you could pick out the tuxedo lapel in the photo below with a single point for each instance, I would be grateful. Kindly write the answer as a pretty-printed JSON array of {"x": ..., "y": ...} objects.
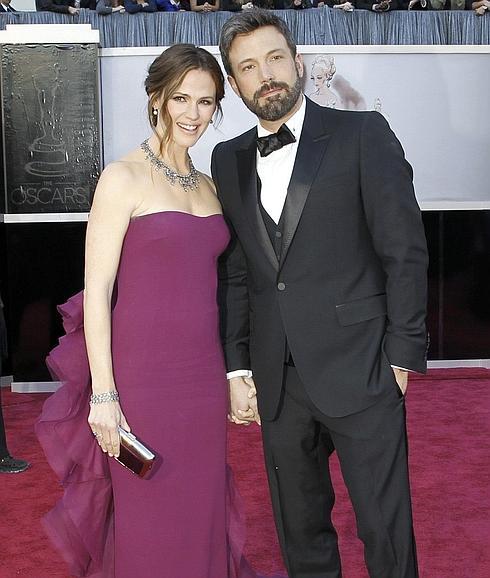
[
  {"x": 247, "y": 177},
  {"x": 311, "y": 150}
]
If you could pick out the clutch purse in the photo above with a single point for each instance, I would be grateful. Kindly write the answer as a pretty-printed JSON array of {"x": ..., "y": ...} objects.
[{"x": 134, "y": 455}]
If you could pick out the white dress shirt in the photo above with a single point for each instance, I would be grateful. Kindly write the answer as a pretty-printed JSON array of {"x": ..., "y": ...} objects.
[{"x": 275, "y": 172}]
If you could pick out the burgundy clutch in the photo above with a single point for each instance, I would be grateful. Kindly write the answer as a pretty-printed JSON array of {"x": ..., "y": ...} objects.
[{"x": 134, "y": 455}]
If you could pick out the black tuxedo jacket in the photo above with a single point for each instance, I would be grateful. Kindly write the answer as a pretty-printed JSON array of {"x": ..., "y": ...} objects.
[
  {"x": 348, "y": 294},
  {"x": 4, "y": 8}
]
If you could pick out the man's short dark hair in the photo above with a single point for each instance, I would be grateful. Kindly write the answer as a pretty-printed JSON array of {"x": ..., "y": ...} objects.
[{"x": 247, "y": 22}]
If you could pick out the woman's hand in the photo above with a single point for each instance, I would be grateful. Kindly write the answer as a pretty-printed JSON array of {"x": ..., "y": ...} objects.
[{"x": 104, "y": 419}]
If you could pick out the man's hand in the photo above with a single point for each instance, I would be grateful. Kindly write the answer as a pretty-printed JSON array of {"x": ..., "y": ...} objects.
[
  {"x": 346, "y": 7},
  {"x": 413, "y": 3},
  {"x": 73, "y": 11},
  {"x": 243, "y": 401},
  {"x": 401, "y": 377},
  {"x": 382, "y": 6}
]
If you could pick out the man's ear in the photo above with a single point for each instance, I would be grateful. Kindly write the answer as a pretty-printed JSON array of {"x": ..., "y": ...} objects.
[
  {"x": 234, "y": 85},
  {"x": 300, "y": 67}
]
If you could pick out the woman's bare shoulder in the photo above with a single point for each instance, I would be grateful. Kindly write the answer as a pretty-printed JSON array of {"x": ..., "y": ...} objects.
[
  {"x": 130, "y": 166},
  {"x": 122, "y": 182}
]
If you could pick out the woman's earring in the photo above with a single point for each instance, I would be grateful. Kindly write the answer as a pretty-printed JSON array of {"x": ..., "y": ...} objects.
[
  {"x": 154, "y": 112},
  {"x": 211, "y": 121}
]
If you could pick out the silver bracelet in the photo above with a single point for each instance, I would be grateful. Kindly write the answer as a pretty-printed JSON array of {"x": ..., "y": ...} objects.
[{"x": 105, "y": 397}]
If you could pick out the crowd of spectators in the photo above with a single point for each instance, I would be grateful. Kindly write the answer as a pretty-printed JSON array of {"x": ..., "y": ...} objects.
[{"x": 106, "y": 7}]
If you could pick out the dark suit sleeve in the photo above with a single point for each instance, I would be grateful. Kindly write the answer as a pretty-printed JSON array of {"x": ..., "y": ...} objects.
[
  {"x": 103, "y": 7},
  {"x": 50, "y": 6},
  {"x": 396, "y": 228},
  {"x": 365, "y": 4},
  {"x": 132, "y": 7},
  {"x": 230, "y": 6},
  {"x": 152, "y": 6},
  {"x": 232, "y": 291}
]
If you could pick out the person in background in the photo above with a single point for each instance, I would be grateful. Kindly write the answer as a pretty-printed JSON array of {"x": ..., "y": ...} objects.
[
  {"x": 480, "y": 7},
  {"x": 418, "y": 5},
  {"x": 173, "y": 5},
  {"x": 205, "y": 6},
  {"x": 60, "y": 6},
  {"x": 5, "y": 7},
  {"x": 269, "y": 4},
  {"x": 297, "y": 4},
  {"x": 339, "y": 4},
  {"x": 8, "y": 464},
  {"x": 381, "y": 5},
  {"x": 65, "y": 6},
  {"x": 236, "y": 5},
  {"x": 135, "y": 6},
  {"x": 449, "y": 4},
  {"x": 106, "y": 7}
]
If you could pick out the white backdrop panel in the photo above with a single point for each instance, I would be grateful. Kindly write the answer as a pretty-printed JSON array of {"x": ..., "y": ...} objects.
[{"x": 435, "y": 103}]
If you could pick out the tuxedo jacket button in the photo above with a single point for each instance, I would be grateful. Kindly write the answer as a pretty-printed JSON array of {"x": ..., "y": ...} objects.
[{"x": 281, "y": 286}]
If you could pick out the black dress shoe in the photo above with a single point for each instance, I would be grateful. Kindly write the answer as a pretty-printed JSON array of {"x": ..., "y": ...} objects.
[{"x": 10, "y": 465}]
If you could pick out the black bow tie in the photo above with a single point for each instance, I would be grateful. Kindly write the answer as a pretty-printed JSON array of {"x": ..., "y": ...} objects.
[{"x": 274, "y": 142}]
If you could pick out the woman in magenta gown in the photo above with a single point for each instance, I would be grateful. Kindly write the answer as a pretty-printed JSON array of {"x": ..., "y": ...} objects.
[{"x": 149, "y": 336}]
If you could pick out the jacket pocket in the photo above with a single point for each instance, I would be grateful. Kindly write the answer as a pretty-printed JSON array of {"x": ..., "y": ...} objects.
[{"x": 361, "y": 309}]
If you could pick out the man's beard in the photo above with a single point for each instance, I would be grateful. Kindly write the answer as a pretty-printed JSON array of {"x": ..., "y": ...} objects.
[{"x": 278, "y": 105}]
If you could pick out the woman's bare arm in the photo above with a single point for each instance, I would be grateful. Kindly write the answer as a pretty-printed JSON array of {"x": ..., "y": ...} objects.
[{"x": 113, "y": 205}]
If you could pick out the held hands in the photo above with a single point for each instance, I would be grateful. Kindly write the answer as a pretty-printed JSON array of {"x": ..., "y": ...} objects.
[
  {"x": 401, "y": 377},
  {"x": 104, "y": 418},
  {"x": 243, "y": 401}
]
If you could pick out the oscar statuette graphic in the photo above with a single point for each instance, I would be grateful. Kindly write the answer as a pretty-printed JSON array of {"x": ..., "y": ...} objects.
[
  {"x": 48, "y": 152},
  {"x": 51, "y": 128}
]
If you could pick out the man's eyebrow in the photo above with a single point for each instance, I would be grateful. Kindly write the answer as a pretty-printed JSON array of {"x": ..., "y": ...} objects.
[{"x": 268, "y": 54}]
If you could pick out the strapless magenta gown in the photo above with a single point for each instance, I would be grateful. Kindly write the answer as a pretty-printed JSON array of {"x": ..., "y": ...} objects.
[{"x": 184, "y": 521}]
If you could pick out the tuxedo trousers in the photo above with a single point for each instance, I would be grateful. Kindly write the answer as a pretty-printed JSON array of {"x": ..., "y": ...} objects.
[{"x": 372, "y": 449}]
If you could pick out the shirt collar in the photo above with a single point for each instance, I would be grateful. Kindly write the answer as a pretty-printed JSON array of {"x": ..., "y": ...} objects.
[{"x": 294, "y": 124}]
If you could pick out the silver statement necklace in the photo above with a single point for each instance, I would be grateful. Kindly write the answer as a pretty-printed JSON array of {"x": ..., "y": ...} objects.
[{"x": 188, "y": 182}]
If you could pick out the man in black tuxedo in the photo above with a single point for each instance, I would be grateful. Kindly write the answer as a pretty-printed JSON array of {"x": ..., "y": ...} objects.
[{"x": 323, "y": 297}]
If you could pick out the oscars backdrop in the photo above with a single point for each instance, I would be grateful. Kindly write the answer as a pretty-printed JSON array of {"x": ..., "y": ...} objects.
[{"x": 50, "y": 127}]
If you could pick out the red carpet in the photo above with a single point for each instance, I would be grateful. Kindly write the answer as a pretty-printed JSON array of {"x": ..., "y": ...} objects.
[{"x": 449, "y": 429}]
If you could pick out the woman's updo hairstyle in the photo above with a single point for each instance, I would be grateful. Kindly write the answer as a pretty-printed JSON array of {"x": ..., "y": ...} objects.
[{"x": 166, "y": 74}]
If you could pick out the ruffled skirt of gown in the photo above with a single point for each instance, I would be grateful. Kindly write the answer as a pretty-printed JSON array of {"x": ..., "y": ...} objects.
[{"x": 81, "y": 525}]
